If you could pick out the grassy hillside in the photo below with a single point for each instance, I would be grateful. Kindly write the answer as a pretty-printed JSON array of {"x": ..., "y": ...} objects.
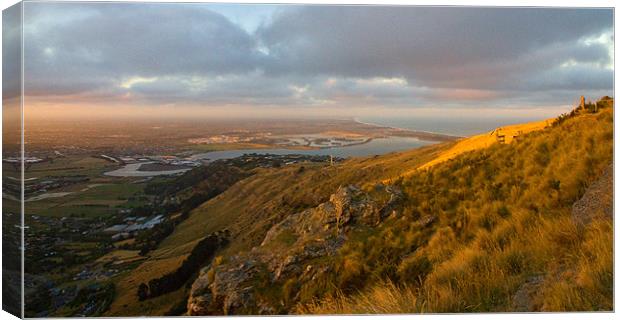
[
  {"x": 249, "y": 208},
  {"x": 482, "y": 226},
  {"x": 502, "y": 236},
  {"x": 505, "y": 135}
]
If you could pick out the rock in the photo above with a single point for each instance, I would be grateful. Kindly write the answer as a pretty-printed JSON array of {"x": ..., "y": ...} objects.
[
  {"x": 426, "y": 220},
  {"x": 228, "y": 292},
  {"x": 522, "y": 300},
  {"x": 598, "y": 199},
  {"x": 309, "y": 234}
]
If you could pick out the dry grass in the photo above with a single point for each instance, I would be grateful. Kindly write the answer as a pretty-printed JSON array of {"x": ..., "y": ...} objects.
[
  {"x": 586, "y": 283},
  {"x": 486, "y": 139},
  {"x": 123, "y": 256},
  {"x": 383, "y": 299},
  {"x": 504, "y": 238},
  {"x": 502, "y": 220},
  {"x": 126, "y": 301},
  {"x": 250, "y": 207}
]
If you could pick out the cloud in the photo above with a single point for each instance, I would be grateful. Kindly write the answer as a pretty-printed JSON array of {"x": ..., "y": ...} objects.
[
  {"x": 108, "y": 42},
  {"x": 443, "y": 47},
  {"x": 11, "y": 52},
  {"x": 338, "y": 56}
]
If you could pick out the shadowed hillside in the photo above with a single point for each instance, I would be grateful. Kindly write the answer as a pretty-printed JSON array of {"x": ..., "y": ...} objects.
[{"x": 248, "y": 209}]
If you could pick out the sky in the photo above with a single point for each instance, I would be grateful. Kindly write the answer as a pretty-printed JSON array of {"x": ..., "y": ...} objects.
[{"x": 173, "y": 58}]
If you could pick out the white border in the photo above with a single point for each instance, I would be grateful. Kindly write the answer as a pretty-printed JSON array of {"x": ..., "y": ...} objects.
[{"x": 490, "y": 3}]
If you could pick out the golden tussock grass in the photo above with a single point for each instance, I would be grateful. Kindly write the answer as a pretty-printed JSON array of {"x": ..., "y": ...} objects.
[
  {"x": 504, "y": 238},
  {"x": 384, "y": 299}
]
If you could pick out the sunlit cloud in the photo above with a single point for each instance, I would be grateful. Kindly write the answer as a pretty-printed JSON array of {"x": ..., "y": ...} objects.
[{"x": 127, "y": 84}]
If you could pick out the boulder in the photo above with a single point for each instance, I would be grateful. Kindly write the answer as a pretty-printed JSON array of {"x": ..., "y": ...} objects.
[
  {"x": 598, "y": 200},
  {"x": 287, "y": 252}
]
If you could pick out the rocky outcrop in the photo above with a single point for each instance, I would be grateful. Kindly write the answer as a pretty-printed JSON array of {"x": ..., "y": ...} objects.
[
  {"x": 598, "y": 200},
  {"x": 287, "y": 252}
]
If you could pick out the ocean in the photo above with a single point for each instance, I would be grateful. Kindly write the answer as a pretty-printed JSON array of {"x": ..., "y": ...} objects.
[{"x": 454, "y": 125}]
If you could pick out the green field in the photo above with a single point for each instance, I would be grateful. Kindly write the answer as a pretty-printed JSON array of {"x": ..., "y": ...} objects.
[
  {"x": 73, "y": 165},
  {"x": 100, "y": 195}
]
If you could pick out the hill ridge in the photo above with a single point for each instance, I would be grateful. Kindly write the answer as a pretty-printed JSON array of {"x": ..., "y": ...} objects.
[
  {"x": 505, "y": 134},
  {"x": 438, "y": 217}
]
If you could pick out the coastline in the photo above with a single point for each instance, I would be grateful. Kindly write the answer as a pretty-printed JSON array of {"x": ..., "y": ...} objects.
[
  {"x": 423, "y": 132},
  {"x": 371, "y": 131}
]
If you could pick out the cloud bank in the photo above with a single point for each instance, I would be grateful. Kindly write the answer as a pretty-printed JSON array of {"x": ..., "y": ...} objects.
[{"x": 315, "y": 56}]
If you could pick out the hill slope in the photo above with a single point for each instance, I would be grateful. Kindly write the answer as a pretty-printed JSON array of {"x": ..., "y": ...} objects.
[
  {"x": 504, "y": 236},
  {"x": 506, "y": 135},
  {"x": 487, "y": 228},
  {"x": 490, "y": 230},
  {"x": 248, "y": 209}
]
